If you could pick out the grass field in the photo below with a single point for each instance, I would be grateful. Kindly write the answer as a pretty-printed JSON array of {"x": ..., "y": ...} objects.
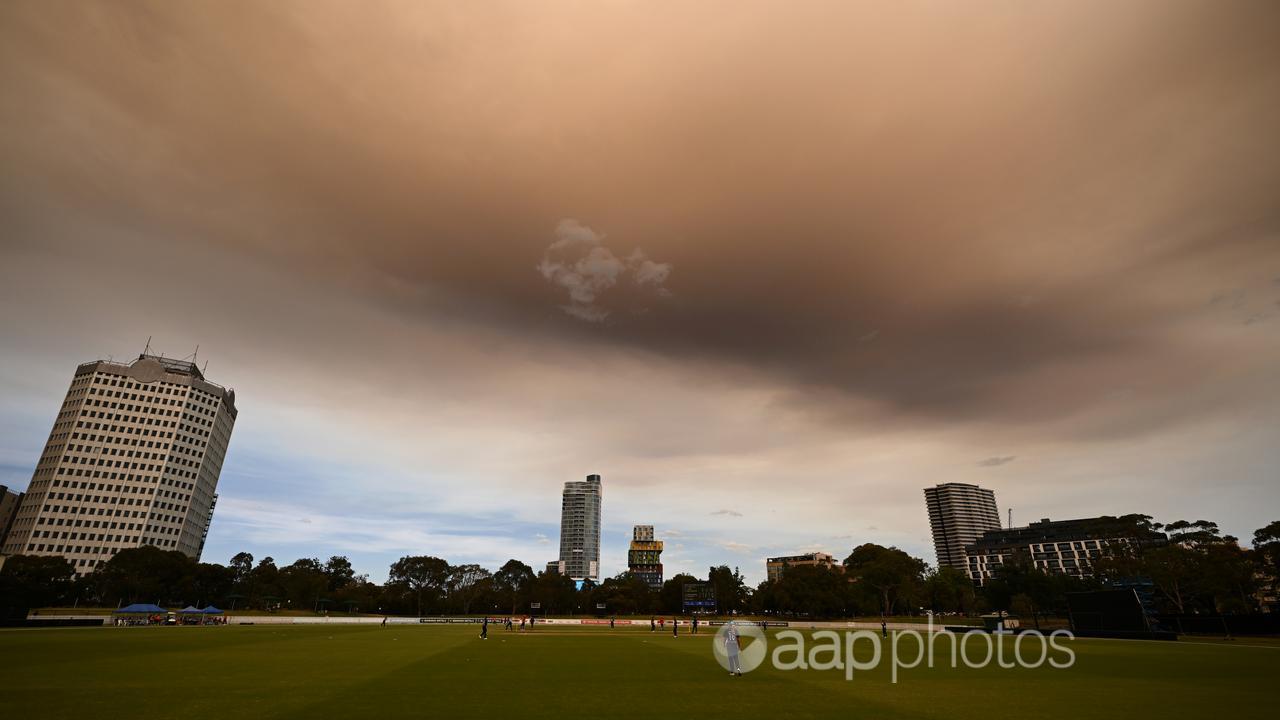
[{"x": 415, "y": 672}]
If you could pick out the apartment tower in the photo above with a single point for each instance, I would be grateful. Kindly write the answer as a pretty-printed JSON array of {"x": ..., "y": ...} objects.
[
  {"x": 580, "y": 529},
  {"x": 133, "y": 459},
  {"x": 959, "y": 514},
  {"x": 644, "y": 557}
]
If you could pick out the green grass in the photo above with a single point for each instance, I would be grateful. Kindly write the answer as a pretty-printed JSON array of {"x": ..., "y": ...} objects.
[
  {"x": 413, "y": 671},
  {"x": 919, "y": 619},
  {"x": 47, "y": 611}
]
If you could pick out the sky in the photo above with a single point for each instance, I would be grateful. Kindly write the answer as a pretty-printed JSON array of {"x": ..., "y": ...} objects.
[{"x": 769, "y": 269}]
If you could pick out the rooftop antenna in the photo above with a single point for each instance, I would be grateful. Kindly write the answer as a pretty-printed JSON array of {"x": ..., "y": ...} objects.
[
  {"x": 147, "y": 349},
  {"x": 1010, "y": 525},
  {"x": 205, "y": 371}
]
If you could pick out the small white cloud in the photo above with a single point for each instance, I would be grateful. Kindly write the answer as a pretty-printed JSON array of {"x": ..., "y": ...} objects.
[
  {"x": 586, "y": 269},
  {"x": 730, "y": 513}
]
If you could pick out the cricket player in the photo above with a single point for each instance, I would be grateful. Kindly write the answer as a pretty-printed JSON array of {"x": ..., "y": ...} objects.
[
  {"x": 484, "y": 628},
  {"x": 731, "y": 648}
]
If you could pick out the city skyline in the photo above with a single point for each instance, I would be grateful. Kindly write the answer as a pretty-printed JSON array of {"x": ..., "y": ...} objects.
[{"x": 769, "y": 274}]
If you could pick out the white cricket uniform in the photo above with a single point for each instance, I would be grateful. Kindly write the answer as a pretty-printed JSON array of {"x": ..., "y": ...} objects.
[{"x": 731, "y": 648}]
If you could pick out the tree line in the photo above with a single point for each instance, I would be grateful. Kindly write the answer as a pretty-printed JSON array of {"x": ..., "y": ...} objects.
[{"x": 1197, "y": 570}]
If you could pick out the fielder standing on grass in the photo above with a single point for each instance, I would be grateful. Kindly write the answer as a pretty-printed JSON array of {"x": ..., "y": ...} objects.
[
  {"x": 484, "y": 628},
  {"x": 731, "y": 648}
]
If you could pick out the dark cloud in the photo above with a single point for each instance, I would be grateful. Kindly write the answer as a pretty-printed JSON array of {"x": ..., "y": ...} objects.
[
  {"x": 997, "y": 461},
  {"x": 899, "y": 216}
]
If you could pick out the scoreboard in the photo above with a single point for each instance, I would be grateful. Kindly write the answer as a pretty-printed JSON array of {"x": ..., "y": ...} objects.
[{"x": 699, "y": 597}]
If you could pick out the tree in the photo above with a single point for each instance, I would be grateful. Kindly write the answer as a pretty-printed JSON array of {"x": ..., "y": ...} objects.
[
  {"x": 423, "y": 576},
  {"x": 1174, "y": 570},
  {"x": 304, "y": 583},
  {"x": 264, "y": 582},
  {"x": 624, "y": 593},
  {"x": 1020, "y": 587},
  {"x": 1195, "y": 534},
  {"x": 1231, "y": 577},
  {"x": 806, "y": 591},
  {"x": 338, "y": 572},
  {"x": 1196, "y": 569},
  {"x": 730, "y": 588},
  {"x": 466, "y": 583},
  {"x": 671, "y": 597},
  {"x": 33, "y": 581},
  {"x": 145, "y": 574},
  {"x": 211, "y": 583},
  {"x": 949, "y": 590},
  {"x": 1266, "y": 542},
  {"x": 241, "y": 565},
  {"x": 512, "y": 581},
  {"x": 893, "y": 573},
  {"x": 554, "y": 592}
]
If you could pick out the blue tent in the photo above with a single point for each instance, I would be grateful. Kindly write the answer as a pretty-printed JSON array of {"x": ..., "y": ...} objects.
[
  {"x": 189, "y": 610},
  {"x": 140, "y": 609},
  {"x": 211, "y": 610}
]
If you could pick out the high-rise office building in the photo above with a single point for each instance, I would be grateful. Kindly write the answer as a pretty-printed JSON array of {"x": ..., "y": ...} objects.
[
  {"x": 580, "y": 529},
  {"x": 644, "y": 558},
  {"x": 133, "y": 460},
  {"x": 9, "y": 503},
  {"x": 959, "y": 514}
]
